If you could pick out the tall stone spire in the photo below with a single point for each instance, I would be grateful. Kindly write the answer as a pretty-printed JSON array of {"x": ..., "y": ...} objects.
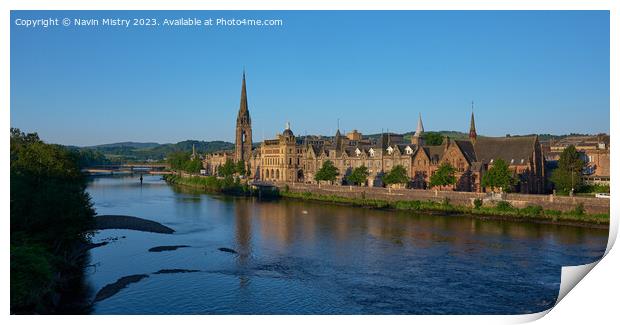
[
  {"x": 416, "y": 138},
  {"x": 420, "y": 129},
  {"x": 244, "y": 113},
  {"x": 472, "y": 125},
  {"x": 243, "y": 132}
]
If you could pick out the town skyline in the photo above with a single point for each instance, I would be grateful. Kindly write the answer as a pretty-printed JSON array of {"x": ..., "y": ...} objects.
[{"x": 89, "y": 86}]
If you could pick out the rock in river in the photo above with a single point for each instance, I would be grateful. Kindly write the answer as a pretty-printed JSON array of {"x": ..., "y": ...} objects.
[
  {"x": 228, "y": 250},
  {"x": 113, "y": 288},
  {"x": 166, "y": 248},
  {"x": 131, "y": 223},
  {"x": 170, "y": 271}
]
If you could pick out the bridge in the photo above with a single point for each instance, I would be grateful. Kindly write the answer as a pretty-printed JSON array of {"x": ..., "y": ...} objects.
[{"x": 130, "y": 168}]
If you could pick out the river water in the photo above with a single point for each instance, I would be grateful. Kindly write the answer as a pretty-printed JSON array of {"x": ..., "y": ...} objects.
[{"x": 312, "y": 258}]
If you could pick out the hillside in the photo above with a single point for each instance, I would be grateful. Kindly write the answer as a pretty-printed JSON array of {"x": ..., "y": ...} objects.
[{"x": 138, "y": 151}]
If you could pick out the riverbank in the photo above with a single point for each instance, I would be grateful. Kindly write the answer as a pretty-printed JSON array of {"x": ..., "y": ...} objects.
[
  {"x": 211, "y": 184},
  {"x": 499, "y": 210},
  {"x": 502, "y": 210}
]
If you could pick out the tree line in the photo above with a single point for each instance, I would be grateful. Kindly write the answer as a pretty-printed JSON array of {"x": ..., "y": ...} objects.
[{"x": 51, "y": 218}]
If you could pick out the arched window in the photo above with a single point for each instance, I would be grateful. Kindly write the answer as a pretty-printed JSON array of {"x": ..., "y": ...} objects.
[{"x": 277, "y": 174}]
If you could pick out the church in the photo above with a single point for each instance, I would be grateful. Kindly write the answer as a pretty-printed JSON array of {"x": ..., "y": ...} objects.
[{"x": 294, "y": 159}]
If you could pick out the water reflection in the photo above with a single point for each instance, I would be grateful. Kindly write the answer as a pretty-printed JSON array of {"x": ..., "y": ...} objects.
[{"x": 303, "y": 258}]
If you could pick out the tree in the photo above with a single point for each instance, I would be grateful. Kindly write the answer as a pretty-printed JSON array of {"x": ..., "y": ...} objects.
[
  {"x": 398, "y": 175},
  {"x": 568, "y": 174},
  {"x": 432, "y": 138},
  {"x": 444, "y": 175},
  {"x": 358, "y": 176},
  {"x": 228, "y": 169},
  {"x": 193, "y": 166},
  {"x": 240, "y": 168},
  {"x": 327, "y": 172},
  {"x": 178, "y": 159},
  {"x": 51, "y": 217},
  {"x": 499, "y": 176}
]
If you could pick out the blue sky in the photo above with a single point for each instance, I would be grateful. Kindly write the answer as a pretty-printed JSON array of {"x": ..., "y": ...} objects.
[{"x": 527, "y": 72}]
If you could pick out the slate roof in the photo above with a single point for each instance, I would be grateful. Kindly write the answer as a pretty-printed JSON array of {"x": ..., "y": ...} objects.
[
  {"x": 468, "y": 149},
  {"x": 434, "y": 152},
  {"x": 507, "y": 148}
]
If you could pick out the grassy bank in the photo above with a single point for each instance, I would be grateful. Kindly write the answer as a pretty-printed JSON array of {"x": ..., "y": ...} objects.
[
  {"x": 501, "y": 210},
  {"x": 227, "y": 185}
]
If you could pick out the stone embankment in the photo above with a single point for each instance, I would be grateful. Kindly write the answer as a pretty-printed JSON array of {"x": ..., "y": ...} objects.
[{"x": 548, "y": 202}]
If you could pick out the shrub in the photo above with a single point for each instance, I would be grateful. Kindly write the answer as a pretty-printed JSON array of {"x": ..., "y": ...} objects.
[
  {"x": 477, "y": 203},
  {"x": 408, "y": 205},
  {"x": 532, "y": 210},
  {"x": 579, "y": 210},
  {"x": 553, "y": 213},
  {"x": 503, "y": 206}
]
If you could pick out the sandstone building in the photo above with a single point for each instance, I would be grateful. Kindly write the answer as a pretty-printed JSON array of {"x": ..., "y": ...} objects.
[{"x": 290, "y": 158}]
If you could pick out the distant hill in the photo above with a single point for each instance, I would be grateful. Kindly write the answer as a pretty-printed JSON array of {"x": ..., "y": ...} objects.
[
  {"x": 137, "y": 145},
  {"x": 142, "y": 151},
  {"x": 451, "y": 134}
]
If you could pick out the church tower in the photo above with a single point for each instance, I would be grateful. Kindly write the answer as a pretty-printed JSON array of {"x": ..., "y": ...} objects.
[
  {"x": 472, "y": 125},
  {"x": 243, "y": 137}
]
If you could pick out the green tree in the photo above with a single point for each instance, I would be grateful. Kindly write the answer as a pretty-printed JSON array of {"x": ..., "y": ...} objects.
[
  {"x": 444, "y": 175},
  {"x": 432, "y": 138},
  {"x": 193, "y": 166},
  {"x": 358, "y": 176},
  {"x": 568, "y": 174},
  {"x": 228, "y": 169},
  {"x": 178, "y": 159},
  {"x": 499, "y": 176},
  {"x": 51, "y": 215},
  {"x": 240, "y": 168},
  {"x": 398, "y": 175},
  {"x": 327, "y": 172}
]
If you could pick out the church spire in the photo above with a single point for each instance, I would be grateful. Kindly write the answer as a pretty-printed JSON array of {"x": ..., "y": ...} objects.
[
  {"x": 420, "y": 129},
  {"x": 244, "y": 113},
  {"x": 472, "y": 125},
  {"x": 417, "y": 136},
  {"x": 243, "y": 132}
]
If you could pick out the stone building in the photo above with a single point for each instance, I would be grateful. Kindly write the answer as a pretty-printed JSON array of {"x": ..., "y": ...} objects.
[
  {"x": 593, "y": 149},
  {"x": 290, "y": 158}
]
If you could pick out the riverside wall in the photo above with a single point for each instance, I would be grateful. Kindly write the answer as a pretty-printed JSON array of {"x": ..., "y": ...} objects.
[{"x": 551, "y": 202}]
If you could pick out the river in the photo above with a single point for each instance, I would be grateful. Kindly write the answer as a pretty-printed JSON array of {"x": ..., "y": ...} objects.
[{"x": 299, "y": 257}]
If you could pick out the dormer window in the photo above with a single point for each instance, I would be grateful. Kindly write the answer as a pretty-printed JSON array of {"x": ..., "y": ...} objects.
[
  {"x": 390, "y": 150},
  {"x": 408, "y": 150},
  {"x": 512, "y": 161},
  {"x": 357, "y": 152},
  {"x": 491, "y": 161},
  {"x": 371, "y": 152},
  {"x": 521, "y": 161}
]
